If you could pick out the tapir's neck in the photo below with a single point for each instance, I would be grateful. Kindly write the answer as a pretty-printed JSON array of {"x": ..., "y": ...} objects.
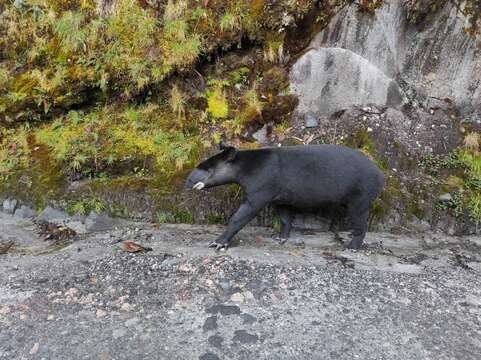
[{"x": 250, "y": 166}]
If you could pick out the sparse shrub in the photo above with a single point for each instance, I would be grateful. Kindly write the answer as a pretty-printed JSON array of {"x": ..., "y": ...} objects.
[
  {"x": 215, "y": 218},
  {"x": 472, "y": 142},
  {"x": 177, "y": 102},
  {"x": 252, "y": 108},
  {"x": 84, "y": 207},
  {"x": 466, "y": 160},
  {"x": 274, "y": 51}
]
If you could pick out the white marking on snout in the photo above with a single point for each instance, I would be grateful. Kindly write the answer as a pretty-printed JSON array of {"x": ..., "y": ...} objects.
[{"x": 198, "y": 186}]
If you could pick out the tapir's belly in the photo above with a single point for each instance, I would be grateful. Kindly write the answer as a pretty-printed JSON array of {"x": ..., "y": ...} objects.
[{"x": 306, "y": 195}]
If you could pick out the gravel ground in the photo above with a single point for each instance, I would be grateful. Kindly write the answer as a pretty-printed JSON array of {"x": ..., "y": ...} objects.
[{"x": 399, "y": 298}]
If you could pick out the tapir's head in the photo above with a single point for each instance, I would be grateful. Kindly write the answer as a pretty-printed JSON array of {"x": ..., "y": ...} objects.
[{"x": 216, "y": 170}]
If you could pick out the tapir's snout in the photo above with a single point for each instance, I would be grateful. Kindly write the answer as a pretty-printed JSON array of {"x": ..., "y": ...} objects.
[{"x": 196, "y": 179}]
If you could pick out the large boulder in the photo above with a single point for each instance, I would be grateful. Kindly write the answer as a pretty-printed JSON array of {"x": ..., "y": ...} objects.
[
  {"x": 9, "y": 206},
  {"x": 25, "y": 212},
  {"x": 100, "y": 222},
  {"x": 331, "y": 79},
  {"x": 438, "y": 60},
  {"x": 52, "y": 215}
]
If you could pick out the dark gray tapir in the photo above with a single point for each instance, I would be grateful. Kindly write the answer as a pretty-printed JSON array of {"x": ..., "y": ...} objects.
[{"x": 290, "y": 178}]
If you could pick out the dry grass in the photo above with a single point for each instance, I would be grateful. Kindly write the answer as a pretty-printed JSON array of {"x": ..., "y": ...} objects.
[{"x": 472, "y": 142}]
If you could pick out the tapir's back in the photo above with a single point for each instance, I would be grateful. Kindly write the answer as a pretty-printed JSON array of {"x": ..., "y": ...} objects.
[{"x": 325, "y": 173}]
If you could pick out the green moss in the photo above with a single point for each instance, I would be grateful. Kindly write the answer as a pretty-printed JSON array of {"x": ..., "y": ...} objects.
[
  {"x": 239, "y": 75},
  {"x": 217, "y": 103},
  {"x": 215, "y": 218},
  {"x": 104, "y": 142},
  {"x": 389, "y": 199}
]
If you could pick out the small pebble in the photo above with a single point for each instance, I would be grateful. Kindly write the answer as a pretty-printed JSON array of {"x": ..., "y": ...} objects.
[{"x": 101, "y": 313}]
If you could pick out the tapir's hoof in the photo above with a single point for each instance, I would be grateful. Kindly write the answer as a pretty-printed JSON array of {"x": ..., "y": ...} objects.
[
  {"x": 217, "y": 246},
  {"x": 353, "y": 246},
  {"x": 281, "y": 240}
]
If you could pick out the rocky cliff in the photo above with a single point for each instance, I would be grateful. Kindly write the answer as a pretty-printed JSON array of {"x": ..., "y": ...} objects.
[
  {"x": 407, "y": 94},
  {"x": 382, "y": 58},
  {"x": 105, "y": 105}
]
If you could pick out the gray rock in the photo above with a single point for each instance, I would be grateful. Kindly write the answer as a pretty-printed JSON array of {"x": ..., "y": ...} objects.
[
  {"x": 225, "y": 285},
  {"x": 9, "y": 206},
  {"x": 210, "y": 323},
  {"x": 100, "y": 222},
  {"x": 77, "y": 226},
  {"x": 25, "y": 212},
  {"x": 445, "y": 197},
  {"x": 209, "y": 356},
  {"x": 420, "y": 226},
  {"x": 261, "y": 135},
  {"x": 118, "y": 333},
  {"x": 172, "y": 261},
  {"x": 216, "y": 341},
  {"x": 53, "y": 215},
  {"x": 436, "y": 103},
  {"x": 244, "y": 337},
  {"x": 311, "y": 121},
  {"x": 132, "y": 322},
  {"x": 328, "y": 80},
  {"x": 248, "y": 319},
  {"x": 224, "y": 309}
]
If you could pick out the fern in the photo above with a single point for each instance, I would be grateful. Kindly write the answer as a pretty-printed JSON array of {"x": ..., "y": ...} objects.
[{"x": 70, "y": 31}]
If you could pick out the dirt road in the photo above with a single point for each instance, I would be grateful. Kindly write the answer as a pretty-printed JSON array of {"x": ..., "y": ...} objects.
[{"x": 400, "y": 298}]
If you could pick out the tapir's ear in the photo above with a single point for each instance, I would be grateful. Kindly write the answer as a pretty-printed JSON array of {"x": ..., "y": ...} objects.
[{"x": 230, "y": 152}]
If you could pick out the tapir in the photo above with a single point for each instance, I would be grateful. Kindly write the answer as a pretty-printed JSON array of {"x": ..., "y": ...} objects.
[{"x": 290, "y": 178}]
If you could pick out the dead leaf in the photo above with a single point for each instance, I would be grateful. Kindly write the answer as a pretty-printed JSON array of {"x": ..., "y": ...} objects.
[
  {"x": 34, "y": 349},
  {"x": 105, "y": 356},
  {"x": 4, "y": 248},
  {"x": 296, "y": 253},
  {"x": 132, "y": 247},
  {"x": 51, "y": 231}
]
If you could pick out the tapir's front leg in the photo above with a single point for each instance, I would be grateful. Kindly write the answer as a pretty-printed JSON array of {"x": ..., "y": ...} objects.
[{"x": 246, "y": 212}]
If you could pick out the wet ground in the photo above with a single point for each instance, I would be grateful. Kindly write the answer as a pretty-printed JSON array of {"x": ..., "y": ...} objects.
[{"x": 401, "y": 297}]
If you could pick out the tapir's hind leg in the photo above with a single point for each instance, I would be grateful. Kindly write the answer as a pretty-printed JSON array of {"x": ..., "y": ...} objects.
[
  {"x": 359, "y": 213},
  {"x": 334, "y": 228},
  {"x": 286, "y": 216}
]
